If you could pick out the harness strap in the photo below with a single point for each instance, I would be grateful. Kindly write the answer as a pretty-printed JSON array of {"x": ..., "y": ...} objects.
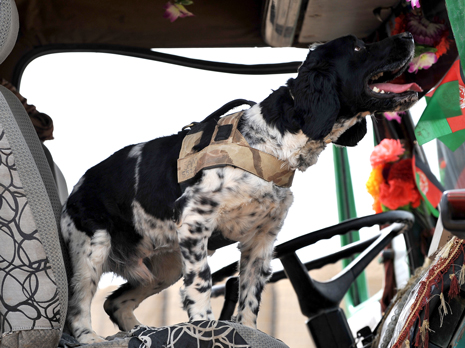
[
  {"x": 227, "y": 107},
  {"x": 229, "y": 147}
]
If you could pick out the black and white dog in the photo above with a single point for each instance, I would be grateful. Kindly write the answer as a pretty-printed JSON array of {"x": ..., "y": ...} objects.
[{"x": 128, "y": 214}]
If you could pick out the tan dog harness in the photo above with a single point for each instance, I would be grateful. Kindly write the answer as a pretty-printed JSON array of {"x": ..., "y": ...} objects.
[{"x": 228, "y": 147}]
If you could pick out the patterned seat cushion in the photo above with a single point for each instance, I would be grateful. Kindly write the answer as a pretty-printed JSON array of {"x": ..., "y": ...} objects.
[{"x": 202, "y": 334}]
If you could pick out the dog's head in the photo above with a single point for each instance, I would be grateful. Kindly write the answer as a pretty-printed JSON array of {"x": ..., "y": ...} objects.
[{"x": 344, "y": 80}]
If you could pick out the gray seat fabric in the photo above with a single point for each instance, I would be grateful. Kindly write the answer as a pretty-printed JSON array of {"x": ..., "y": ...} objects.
[
  {"x": 202, "y": 334},
  {"x": 9, "y": 25},
  {"x": 57, "y": 176},
  {"x": 33, "y": 284},
  {"x": 199, "y": 334},
  {"x": 32, "y": 275}
]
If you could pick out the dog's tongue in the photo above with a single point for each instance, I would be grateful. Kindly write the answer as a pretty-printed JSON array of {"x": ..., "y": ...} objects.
[{"x": 397, "y": 88}]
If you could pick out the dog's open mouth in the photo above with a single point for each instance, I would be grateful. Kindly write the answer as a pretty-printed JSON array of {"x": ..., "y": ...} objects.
[{"x": 378, "y": 84}]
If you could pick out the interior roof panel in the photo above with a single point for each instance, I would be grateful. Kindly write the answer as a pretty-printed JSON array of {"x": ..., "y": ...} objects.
[{"x": 327, "y": 19}]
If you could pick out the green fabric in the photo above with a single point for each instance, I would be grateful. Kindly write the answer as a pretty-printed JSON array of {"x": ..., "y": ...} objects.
[
  {"x": 358, "y": 292},
  {"x": 456, "y": 12},
  {"x": 431, "y": 124},
  {"x": 444, "y": 103},
  {"x": 453, "y": 140},
  {"x": 429, "y": 206}
]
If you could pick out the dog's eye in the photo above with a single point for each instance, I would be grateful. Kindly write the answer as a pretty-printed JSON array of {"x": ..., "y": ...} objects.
[{"x": 357, "y": 48}]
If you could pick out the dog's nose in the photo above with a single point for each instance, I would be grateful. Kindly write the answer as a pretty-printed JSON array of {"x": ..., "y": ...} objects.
[{"x": 406, "y": 36}]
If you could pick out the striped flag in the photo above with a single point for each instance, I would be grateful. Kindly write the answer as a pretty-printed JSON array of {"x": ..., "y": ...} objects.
[
  {"x": 429, "y": 187},
  {"x": 444, "y": 116}
]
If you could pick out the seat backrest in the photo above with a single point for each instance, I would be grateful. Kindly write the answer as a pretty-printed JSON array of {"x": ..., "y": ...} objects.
[
  {"x": 9, "y": 25},
  {"x": 33, "y": 283}
]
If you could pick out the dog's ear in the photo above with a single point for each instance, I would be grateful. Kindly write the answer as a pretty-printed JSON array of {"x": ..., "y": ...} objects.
[
  {"x": 353, "y": 135},
  {"x": 316, "y": 101}
]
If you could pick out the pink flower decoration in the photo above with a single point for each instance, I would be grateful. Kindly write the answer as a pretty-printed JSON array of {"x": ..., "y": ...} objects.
[
  {"x": 174, "y": 11},
  {"x": 388, "y": 150},
  {"x": 423, "y": 61},
  {"x": 394, "y": 116},
  {"x": 424, "y": 32},
  {"x": 414, "y": 3}
]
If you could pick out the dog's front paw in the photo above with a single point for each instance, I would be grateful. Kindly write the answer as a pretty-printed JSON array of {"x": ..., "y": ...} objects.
[
  {"x": 208, "y": 315},
  {"x": 89, "y": 338},
  {"x": 246, "y": 320}
]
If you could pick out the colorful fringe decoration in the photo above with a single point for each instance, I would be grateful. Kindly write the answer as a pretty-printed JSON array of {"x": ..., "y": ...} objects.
[
  {"x": 420, "y": 307},
  {"x": 454, "y": 289},
  {"x": 462, "y": 274},
  {"x": 422, "y": 338},
  {"x": 443, "y": 308}
]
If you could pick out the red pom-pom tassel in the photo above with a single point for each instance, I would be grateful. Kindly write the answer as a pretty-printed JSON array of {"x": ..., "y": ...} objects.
[
  {"x": 418, "y": 337},
  {"x": 454, "y": 286}
]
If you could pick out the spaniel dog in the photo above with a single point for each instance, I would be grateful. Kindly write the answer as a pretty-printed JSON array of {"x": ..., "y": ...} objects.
[{"x": 128, "y": 214}]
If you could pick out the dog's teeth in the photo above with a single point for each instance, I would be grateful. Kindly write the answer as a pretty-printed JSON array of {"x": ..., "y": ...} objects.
[
  {"x": 377, "y": 76},
  {"x": 377, "y": 90}
]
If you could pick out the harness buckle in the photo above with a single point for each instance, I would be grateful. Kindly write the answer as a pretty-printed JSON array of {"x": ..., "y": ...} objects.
[{"x": 190, "y": 125}]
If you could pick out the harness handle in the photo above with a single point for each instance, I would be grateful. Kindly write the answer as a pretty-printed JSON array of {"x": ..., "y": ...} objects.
[
  {"x": 222, "y": 110},
  {"x": 227, "y": 107}
]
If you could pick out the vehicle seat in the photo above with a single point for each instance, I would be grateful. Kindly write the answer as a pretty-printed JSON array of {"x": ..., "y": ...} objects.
[
  {"x": 33, "y": 289},
  {"x": 58, "y": 176}
]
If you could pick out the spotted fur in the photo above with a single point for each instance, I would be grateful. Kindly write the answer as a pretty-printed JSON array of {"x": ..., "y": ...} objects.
[{"x": 128, "y": 214}]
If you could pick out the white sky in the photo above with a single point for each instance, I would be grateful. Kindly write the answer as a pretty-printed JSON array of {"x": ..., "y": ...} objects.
[{"x": 101, "y": 103}]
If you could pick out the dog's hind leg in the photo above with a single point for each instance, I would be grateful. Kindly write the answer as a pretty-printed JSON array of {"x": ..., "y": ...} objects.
[
  {"x": 120, "y": 305},
  {"x": 88, "y": 257}
]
